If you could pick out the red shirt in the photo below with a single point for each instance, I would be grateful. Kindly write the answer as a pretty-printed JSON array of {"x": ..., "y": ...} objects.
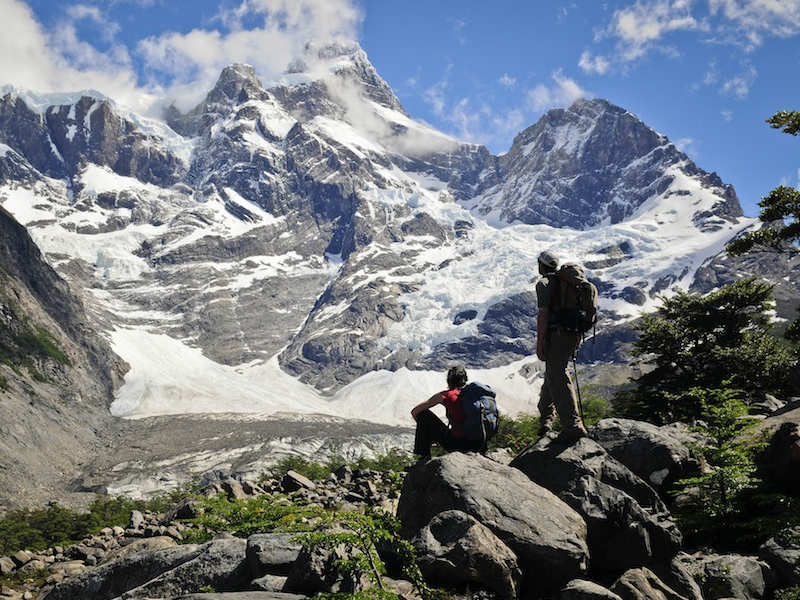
[{"x": 455, "y": 412}]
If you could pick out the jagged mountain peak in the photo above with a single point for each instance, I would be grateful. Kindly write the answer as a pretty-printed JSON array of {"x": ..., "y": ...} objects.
[
  {"x": 232, "y": 80},
  {"x": 589, "y": 164}
]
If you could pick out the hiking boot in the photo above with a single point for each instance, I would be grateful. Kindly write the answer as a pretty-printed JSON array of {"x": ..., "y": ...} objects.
[{"x": 571, "y": 436}]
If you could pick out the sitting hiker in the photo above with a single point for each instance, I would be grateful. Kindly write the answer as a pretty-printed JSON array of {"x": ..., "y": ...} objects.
[{"x": 430, "y": 428}]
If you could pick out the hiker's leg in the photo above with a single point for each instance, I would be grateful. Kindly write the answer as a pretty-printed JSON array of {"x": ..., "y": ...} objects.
[
  {"x": 562, "y": 347},
  {"x": 547, "y": 409},
  {"x": 430, "y": 429}
]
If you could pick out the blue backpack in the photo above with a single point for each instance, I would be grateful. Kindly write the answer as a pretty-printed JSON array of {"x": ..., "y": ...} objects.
[{"x": 481, "y": 416}]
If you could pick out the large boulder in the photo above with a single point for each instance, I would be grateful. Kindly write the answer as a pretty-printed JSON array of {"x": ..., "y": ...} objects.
[
  {"x": 456, "y": 550},
  {"x": 628, "y": 525},
  {"x": 730, "y": 575},
  {"x": 169, "y": 572},
  {"x": 655, "y": 454},
  {"x": 271, "y": 553},
  {"x": 547, "y": 536},
  {"x": 643, "y": 584},
  {"x": 315, "y": 572},
  {"x": 580, "y": 589},
  {"x": 781, "y": 459},
  {"x": 679, "y": 577},
  {"x": 782, "y": 553}
]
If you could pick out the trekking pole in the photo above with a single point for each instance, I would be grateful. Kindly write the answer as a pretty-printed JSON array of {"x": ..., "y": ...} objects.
[{"x": 577, "y": 385}]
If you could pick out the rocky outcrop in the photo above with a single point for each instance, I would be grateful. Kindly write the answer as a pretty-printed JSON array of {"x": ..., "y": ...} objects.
[
  {"x": 653, "y": 453},
  {"x": 642, "y": 584},
  {"x": 546, "y": 535},
  {"x": 628, "y": 525},
  {"x": 458, "y": 551},
  {"x": 58, "y": 375},
  {"x": 782, "y": 554},
  {"x": 781, "y": 459}
]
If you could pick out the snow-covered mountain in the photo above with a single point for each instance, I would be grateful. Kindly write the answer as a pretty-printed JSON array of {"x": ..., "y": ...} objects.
[{"x": 307, "y": 246}]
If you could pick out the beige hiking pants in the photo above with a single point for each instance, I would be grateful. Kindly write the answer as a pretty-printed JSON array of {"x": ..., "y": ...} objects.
[{"x": 558, "y": 393}]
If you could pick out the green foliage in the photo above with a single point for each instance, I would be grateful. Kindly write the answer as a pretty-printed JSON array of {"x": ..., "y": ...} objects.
[
  {"x": 788, "y": 121},
  {"x": 313, "y": 470},
  {"x": 207, "y": 589},
  {"x": 728, "y": 457},
  {"x": 393, "y": 461},
  {"x": 515, "y": 433},
  {"x": 700, "y": 342},
  {"x": 21, "y": 578},
  {"x": 781, "y": 205},
  {"x": 792, "y": 593},
  {"x": 360, "y": 535},
  {"x": 3, "y": 383},
  {"x": 245, "y": 517},
  {"x": 595, "y": 407},
  {"x": 37, "y": 529}
]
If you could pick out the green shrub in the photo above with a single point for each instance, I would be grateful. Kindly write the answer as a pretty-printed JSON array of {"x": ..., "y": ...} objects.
[
  {"x": 362, "y": 533},
  {"x": 394, "y": 460},
  {"x": 247, "y": 516},
  {"x": 515, "y": 433},
  {"x": 792, "y": 593},
  {"x": 313, "y": 470},
  {"x": 3, "y": 383},
  {"x": 19, "y": 578}
]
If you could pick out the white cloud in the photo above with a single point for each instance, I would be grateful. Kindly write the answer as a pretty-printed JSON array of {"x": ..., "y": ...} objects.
[
  {"x": 50, "y": 61},
  {"x": 727, "y": 115},
  {"x": 58, "y": 59},
  {"x": 507, "y": 80},
  {"x": 641, "y": 26},
  {"x": 563, "y": 93},
  {"x": 756, "y": 19},
  {"x": 597, "y": 64},
  {"x": 688, "y": 146},
  {"x": 739, "y": 85}
]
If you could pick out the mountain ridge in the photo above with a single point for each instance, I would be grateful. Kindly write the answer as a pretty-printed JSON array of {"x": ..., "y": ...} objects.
[{"x": 316, "y": 228}]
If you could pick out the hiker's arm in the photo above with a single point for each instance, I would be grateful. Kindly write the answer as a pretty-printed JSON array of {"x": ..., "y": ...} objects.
[
  {"x": 429, "y": 403},
  {"x": 541, "y": 333}
]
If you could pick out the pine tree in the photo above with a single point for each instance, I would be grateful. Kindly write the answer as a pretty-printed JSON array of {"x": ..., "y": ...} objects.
[{"x": 781, "y": 207}]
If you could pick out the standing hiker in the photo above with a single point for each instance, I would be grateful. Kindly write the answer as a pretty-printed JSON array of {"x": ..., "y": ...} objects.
[
  {"x": 557, "y": 341},
  {"x": 471, "y": 413}
]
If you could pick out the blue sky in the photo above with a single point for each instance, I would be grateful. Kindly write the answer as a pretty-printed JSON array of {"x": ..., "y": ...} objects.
[{"x": 706, "y": 73}]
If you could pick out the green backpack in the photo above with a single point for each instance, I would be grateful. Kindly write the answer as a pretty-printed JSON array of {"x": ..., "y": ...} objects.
[{"x": 574, "y": 299}]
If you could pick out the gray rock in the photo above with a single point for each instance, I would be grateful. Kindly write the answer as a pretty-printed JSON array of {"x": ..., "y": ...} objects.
[
  {"x": 580, "y": 589},
  {"x": 242, "y": 596},
  {"x": 294, "y": 481},
  {"x": 271, "y": 553},
  {"x": 781, "y": 459},
  {"x": 649, "y": 451},
  {"x": 170, "y": 572},
  {"x": 185, "y": 509},
  {"x": 548, "y": 537},
  {"x": 456, "y": 550},
  {"x": 233, "y": 489},
  {"x": 677, "y": 575},
  {"x": 137, "y": 520},
  {"x": 315, "y": 571},
  {"x": 6, "y": 565},
  {"x": 642, "y": 584},
  {"x": 141, "y": 545},
  {"x": 21, "y": 557},
  {"x": 269, "y": 583},
  {"x": 782, "y": 553},
  {"x": 627, "y": 523},
  {"x": 732, "y": 575}
]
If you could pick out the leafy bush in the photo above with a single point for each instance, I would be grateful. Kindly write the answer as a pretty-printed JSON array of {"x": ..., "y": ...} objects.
[
  {"x": 37, "y": 529},
  {"x": 362, "y": 534},
  {"x": 719, "y": 494},
  {"x": 792, "y": 593},
  {"x": 395, "y": 460},
  {"x": 313, "y": 470},
  {"x": 247, "y": 516},
  {"x": 700, "y": 342},
  {"x": 515, "y": 433},
  {"x": 3, "y": 383}
]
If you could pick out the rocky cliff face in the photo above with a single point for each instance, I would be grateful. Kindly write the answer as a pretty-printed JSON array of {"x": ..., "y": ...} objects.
[
  {"x": 57, "y": 376},
  {"x": 310, "y": 233}
]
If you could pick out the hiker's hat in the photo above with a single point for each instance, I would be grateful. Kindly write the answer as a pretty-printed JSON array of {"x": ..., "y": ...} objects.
[{"x": 548, "y": 260}]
